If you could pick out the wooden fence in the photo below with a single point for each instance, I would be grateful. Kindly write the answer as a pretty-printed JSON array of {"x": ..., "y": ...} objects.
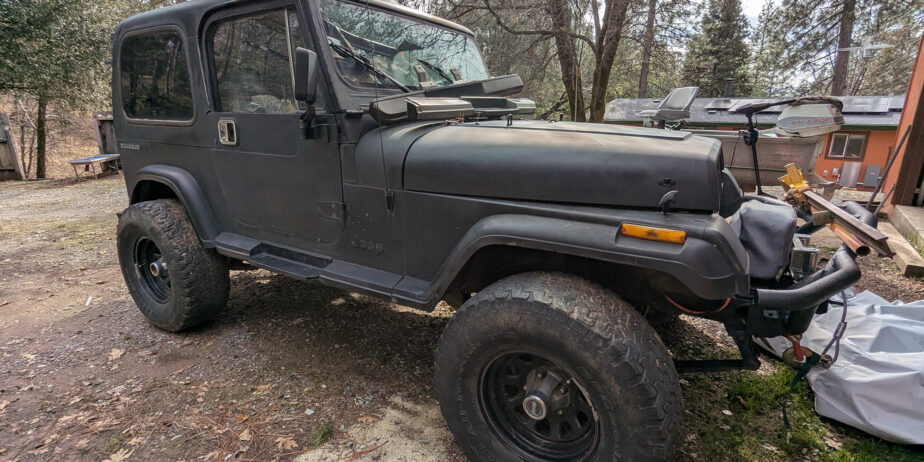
[{"x": 10, "y": 163}]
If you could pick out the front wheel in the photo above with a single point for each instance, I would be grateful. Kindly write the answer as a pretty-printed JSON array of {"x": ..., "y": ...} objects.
[{"x": 550, "y": 367}]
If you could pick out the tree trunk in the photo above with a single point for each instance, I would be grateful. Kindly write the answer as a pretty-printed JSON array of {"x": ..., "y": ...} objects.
[
  {"x": 844, "y": 39},
  {"x": 606, "y": 54},
  {"x": 647, "y": 45},
  {"x": 567, "y": 58},
  {"x": 41, "y": 138}
]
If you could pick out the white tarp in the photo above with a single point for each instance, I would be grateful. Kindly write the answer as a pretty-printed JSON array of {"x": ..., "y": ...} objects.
[{"x": 877, "y": 383}]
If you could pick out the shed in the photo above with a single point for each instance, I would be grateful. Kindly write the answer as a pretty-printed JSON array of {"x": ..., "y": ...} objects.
[{"x": 866, "y": 138}]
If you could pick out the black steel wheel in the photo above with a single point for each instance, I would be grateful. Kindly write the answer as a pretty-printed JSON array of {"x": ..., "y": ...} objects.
[
  {"x": 151, "y": 269},
  {"x": 551, "y": 367},
  {"x": 538, "y": 408},
  {"x": 175, "y": 281}
]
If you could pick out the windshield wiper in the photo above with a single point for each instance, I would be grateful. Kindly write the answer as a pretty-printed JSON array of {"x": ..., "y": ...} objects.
[
  {"x": 368, "y": 64},
  {"x": 437, "y": 69}
]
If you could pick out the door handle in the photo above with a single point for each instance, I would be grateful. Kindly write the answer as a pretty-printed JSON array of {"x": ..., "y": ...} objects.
[{"x": 227, "y": 132}]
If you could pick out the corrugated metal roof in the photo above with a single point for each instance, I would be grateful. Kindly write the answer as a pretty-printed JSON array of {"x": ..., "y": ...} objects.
[{"x": 859, "y": 111}]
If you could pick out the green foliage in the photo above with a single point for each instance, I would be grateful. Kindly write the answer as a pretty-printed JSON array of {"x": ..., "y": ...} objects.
[
  {"x": 57, "y": 49},
  {"x": 719, "y": 51},
  {"x": 755, "y": 430},
  {"x": 323, "y": 433},
  {"x": 796, "y": 42}
]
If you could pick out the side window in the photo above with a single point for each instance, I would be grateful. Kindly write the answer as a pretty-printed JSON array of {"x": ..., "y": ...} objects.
[
  {"x": 154, "y": 77},
  {"x": 253, "y": 62}
]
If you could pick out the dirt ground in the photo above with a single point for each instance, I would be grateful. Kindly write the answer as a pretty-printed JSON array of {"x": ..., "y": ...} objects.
[{"x": 292, "y": 371}]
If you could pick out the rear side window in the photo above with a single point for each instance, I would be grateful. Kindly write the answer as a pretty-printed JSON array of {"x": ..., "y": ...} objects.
[
  {"x": 155, "y": 77},
  {"x": 253, "y": 62}
]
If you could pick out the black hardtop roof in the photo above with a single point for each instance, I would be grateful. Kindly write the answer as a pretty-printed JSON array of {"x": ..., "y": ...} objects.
[{"x": 190, "y": 13}]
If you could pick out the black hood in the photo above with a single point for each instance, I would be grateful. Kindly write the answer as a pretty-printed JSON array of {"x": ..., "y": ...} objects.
[{"x": 565, "y": 162}]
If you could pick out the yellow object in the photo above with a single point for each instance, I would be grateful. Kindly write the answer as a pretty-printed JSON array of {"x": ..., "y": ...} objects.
[
  {"x": 671, "y": 236},
  {"x": 794, "y": 182}
]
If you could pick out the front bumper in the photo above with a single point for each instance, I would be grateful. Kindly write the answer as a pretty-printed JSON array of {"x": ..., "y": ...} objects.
[{"x": 790, "y": 310}]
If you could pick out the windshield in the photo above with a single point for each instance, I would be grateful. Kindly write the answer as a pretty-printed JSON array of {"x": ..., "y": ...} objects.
[{"x": 403, "y": 51}]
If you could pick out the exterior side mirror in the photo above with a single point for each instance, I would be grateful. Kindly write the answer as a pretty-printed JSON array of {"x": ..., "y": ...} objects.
[{"x": 306, "y": 75}]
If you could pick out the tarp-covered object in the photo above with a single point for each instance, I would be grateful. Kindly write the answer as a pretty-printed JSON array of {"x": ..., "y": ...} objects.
[{"x": 877, "y": 383}]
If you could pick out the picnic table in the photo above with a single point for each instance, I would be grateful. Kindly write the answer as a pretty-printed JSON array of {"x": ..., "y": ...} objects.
[{"x": 92, "y": 161}]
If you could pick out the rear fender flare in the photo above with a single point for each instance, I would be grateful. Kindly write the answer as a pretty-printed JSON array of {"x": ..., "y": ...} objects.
[{"x": 187, "y": 189}]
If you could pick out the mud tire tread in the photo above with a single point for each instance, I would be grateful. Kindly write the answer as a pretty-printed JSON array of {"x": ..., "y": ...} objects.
[
  {"x": 199, "y": 277},
  {"x": 625, "y": 345}
]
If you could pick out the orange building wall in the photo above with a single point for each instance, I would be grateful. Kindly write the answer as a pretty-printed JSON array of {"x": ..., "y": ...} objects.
[
  {"x": 912, "y": 98},
  {"x": 879, "y": 144}
]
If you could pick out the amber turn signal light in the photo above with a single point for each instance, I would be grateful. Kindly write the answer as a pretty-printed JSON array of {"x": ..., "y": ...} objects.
[{"x": 671, "y": 236}]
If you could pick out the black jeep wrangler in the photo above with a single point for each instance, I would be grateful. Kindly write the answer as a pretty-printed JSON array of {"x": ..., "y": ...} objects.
[{"x": 364, "y": 145}]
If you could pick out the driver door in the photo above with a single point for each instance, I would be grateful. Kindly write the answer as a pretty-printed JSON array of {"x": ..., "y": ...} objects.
[{"x": 279, "y": 186}]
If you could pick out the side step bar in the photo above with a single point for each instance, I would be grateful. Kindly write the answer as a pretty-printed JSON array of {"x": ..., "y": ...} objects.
[{"x": 291, "y": 263}]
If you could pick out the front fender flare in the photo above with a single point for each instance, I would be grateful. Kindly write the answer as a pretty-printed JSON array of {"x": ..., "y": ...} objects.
[
  {"x": 187, "y": 189},
  {"x": 703, "y": 264}
]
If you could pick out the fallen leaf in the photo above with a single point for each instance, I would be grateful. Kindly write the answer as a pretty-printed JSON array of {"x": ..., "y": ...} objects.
[
  {"x": 214, "y": 455},
  {"x": 770, "y": 447},
  {"x": 135, "y": 441},
  {"x": 285, "y": 442},
  {"x": 367, "y": 419},
  {"x": 120, "y": 455},
  {"x": 741, "y": 400},
  {"x": 74, "y": 401},
  {"x": 726, "y": 412},
  {"x": 29, "y": 356},
  {"x": 68, "y": 418},
  {"x": 245, "y": 435},
  {"x": 116, "y": 353},
  {"x": 834, "y": 444},
  {"x": 84, "y": 268},
  {"x": 4, "y": 404}
]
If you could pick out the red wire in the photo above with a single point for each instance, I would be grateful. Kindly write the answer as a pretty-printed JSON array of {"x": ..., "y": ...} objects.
[
  {"x": 796, "y": 348},
  {"x": 689, "y": 311}
]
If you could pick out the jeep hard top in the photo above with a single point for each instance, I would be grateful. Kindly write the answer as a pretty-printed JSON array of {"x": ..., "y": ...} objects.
[{"x": 365, "y": 145}]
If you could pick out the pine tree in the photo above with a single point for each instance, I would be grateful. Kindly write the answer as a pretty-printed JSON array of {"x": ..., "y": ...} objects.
[
  {"x": 718, "y": 51},
  {"x": 800, "y": 47}
]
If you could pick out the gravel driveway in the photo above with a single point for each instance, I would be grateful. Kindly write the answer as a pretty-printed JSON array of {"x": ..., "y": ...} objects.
[{"x": 291, "y": 371}]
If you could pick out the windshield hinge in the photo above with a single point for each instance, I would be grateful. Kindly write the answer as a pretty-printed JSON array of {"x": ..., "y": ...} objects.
[{"x": 322, "y": 128}]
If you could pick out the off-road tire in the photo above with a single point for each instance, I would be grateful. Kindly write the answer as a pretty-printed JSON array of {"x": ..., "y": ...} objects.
[
  {"x": 198, "y": 278},
  {"x": 624, "y": 369}
]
